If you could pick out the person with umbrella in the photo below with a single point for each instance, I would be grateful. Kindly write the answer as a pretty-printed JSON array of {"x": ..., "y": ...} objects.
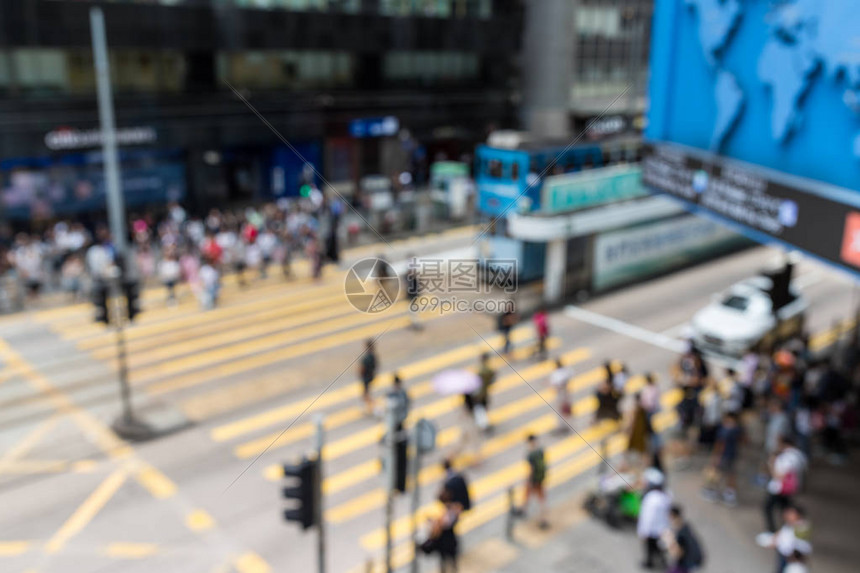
[{"x": 463, "y": 383}]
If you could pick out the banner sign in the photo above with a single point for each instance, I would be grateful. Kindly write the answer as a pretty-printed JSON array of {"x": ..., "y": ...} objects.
[
  {"x": 767, "y": 204},
  {"x": 590, "y": 188}
]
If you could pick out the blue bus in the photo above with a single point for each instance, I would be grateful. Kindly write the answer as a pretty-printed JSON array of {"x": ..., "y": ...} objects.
[{"x": 509, "y": 174}]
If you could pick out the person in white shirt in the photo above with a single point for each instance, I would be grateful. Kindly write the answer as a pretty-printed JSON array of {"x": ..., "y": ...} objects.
[
  {"x": 650, "y": 395},
  {"x": 169, "y": 273},
  {"x": 653, "y": 519},
  {"x": 786, "y": 472},
  {"x": 620, "y": 378},
  {"x": 559, "y": 380}
]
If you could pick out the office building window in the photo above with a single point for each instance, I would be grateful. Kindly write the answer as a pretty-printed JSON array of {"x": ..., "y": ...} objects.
[
  {"x": 286, "y": 69},
  {"x": 430, "y": 67}
]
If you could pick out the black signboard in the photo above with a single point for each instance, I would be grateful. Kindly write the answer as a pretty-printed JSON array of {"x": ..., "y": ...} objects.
[{"x": 763, "y": 204}]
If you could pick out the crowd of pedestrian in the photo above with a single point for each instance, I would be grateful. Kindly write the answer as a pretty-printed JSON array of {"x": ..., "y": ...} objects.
[{"x": 172, "y": 247}]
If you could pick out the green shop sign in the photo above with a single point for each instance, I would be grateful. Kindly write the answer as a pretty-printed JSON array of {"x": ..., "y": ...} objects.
[{"x": 574, "y": 191}]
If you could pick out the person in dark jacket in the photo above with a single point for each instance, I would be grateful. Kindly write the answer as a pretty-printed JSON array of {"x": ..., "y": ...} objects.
[
  {"x": 456, "y": 483},
  {"x": 684, "y": 547}
]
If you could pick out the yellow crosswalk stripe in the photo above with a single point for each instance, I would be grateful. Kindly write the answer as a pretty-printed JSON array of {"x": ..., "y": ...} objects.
[
  {"x": 256, "y": 303},
  {"x": 252, "y": 359},
  {"x": 330, "y": 318},
  {"x": 516, "y": 472},
  {"x": 493, "y": 446},
  {"x": 342, "y": 417},
  {"x": 421, "y": 367},
  {"x": 131, "y": 550},
  {"x": 369, "y": 436},
  {"x": 497, "y": 506}
]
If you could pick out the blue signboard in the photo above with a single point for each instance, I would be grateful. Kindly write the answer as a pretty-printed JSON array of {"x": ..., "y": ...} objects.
[
  {"x": 754, "y": 117},
  {"x": 374, "y": 126}
]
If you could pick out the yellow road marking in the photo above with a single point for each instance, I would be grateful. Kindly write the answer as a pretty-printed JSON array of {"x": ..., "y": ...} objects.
[
  {"x": 516, "y": 472},
  {"x": 374, "y": 498},
  {"x": 13, "y": 548},
  {"x": 369, "y": 436},
  {"x": 131, "y": 550},
  {"x": 291, "y": 410},
  {"x": 199, "y": 520},
  {"x": 278, "y": 440},
  {"x": 253, "y": 360},
  {"x": 28, "y": 442},
  {"x": 223, "y": 337},
  {"x": 251, "y": 563},
  {"x": 158, "y": 484},
  {"x": 87, "y": 510}
]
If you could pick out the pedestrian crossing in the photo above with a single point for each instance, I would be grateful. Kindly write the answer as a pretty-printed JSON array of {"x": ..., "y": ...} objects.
[{"x": 277, "y": 329}]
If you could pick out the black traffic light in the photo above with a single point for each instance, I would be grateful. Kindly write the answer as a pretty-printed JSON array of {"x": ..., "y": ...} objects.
[
  {"x": 400, "y": 463},
  {"x": 100, "y": 302},
  {"x": 303, "y": 486},
  {"x": 131, "y": 291}
]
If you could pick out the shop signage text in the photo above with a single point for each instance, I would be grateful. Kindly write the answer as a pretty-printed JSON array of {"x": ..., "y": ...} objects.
[{"x": 68, "y": 138}]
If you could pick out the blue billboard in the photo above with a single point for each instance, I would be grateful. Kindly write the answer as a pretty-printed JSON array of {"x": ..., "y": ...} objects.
[{"x": 754, "y": 116}]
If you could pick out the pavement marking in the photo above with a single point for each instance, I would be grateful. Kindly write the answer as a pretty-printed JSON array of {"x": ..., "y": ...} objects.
[
  {"x": 512, "y": 474},
  {"x": 353, "y": 413},
  {"x": 171, "y": 382},
  {"x": 250, "y": 562},
  {"x": 490, "y": 447},
  {"x": 199, "y": 520},
  {"x": 14, "y": 548},
  {"x": 158, "y": 484},
  {"x": 125, "y": 550},
  {"x": 29, "y": 441},
  {"x": 497, "y": 505},
  {"x": 420, "y": 367},
  {"x": 87, "y": 510},
  {"x": 369, "y": 436},
  {"x": 624, "y": 328},
  {"x": 166, "y": 347}
]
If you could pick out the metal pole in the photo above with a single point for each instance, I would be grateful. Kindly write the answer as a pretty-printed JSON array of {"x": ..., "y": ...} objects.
[
  {"x": 416, "y": 493},
  {"x": 119, "y": 325},
  {"x": 509, "y": 519},
  {"x": 390, "y": 478},
  {"x": 320, "y": 438},
  {"x": 116, "y": 208}
]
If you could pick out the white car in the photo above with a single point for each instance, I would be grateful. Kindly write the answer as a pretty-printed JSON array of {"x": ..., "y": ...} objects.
[{"x": 742, "y": 318}]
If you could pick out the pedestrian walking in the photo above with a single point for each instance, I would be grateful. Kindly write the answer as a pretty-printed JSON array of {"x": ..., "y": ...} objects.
[
  {"x": 711, "y": 404},
  {"x": 650, "y": 396},
  {"x": 398, "y": 396},
  {"x": 786, "y": 472},
  {"x": 455, "y": 482},
  {"x": 506, "y": 322},
  {"x": 559, "y": 380},
  {"x": 210, "y": 284},
  {"x": 541, "y": 324},
  {"x": 535, "y": 482},
  {"x": 482, "y": 396},
  {"x": 442, "y": 538},
  {"x": 169, "y": 273},
  {"x": 638, "y": 434},
  {"x": 721, "y": 475},
  {"x": 367, "y": 372},
  {"x": 791, "y": 542},
  {"x": 653, "y": 519},
  {"x": 619, "y": 378},
  {"x": 607, "y": 402},
  {"x": 685, "y": 550}
]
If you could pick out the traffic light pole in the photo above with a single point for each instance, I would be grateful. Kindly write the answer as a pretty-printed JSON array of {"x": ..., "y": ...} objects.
[
  {"x": 391, "y": 464},
  {"x": 320, "y": 438},
  {"x": 127, "y": 425},
  {"x": 416, "y": 501}
]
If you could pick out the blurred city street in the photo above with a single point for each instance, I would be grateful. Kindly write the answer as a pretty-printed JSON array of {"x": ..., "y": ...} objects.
[{"x": 79, "y": 499}]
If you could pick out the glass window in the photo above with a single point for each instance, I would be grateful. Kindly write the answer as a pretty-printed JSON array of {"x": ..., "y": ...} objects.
[
  {"x": 286, "y": 69},
  {"x": 515, "y": 171}
]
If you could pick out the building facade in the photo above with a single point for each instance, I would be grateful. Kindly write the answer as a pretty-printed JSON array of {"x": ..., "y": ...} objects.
[{"x": 353, "y": 87}]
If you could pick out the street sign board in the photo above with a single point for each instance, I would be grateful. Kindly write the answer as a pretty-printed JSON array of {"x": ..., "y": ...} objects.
[{"x": 590, "y": 188}]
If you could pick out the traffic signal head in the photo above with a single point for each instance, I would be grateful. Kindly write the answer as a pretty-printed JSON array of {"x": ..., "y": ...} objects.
[
  {"x": 131, "y": 290},
  {"x": 100, "y": 302},
  {"x": 302, "y": 486}
]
